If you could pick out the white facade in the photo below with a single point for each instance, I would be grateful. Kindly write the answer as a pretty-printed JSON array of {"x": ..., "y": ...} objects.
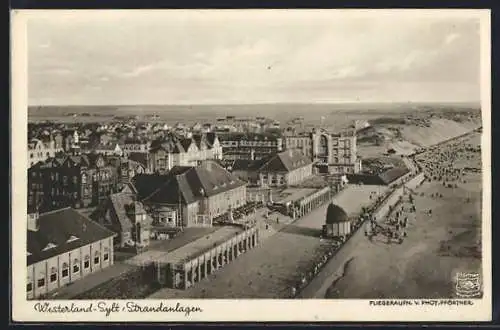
[
  {"x": 39, "y": 151},
  {"x": 53, "y": 273}
]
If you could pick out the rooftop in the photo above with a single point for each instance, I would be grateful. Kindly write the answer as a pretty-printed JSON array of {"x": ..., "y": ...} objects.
[
  {"x": 291, "y": 194},
  {"x": 202, "y": 244},
  {"x": 61, "y": 231}
]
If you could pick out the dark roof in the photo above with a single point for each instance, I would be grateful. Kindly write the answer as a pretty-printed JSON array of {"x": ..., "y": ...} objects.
[
  {"x": 186, "y": 184},
  {"x": 57, "y": 227},
  {"x": 200, "y": 140},
  {"x": 286, "y": 161},
  {"x": 247, "y": 165},
  {"x": 118, "y": 202},
  {"x": 88, "y": 160},
  {"x": 335, "y": 214},
  {"x": 146, "y": 184},
  {"x": 393, "y": 174},
  {"x": 170, "y": 143},
  {"x": 369, "y": 179},
  {"x": 186, "y": 143},
  {"x": 140, "y": 157},
  {"x": 211, "y": 138}
]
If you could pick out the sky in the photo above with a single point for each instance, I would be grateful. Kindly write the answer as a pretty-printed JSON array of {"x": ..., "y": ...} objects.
[{"x": 231, "y": 57}]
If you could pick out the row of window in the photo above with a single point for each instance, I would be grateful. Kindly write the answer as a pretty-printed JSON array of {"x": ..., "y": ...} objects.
[
  {"x": 65, "y": 270},
  {"x": 54, "y": 176},
  {"x": 39, "y": 154}
]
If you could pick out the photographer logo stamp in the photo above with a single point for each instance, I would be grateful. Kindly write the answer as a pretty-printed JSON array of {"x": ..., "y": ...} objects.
[{"x": 468, "y": 285}]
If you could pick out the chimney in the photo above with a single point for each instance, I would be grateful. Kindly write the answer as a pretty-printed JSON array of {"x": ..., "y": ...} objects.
[{"x": 33, "y": 221}]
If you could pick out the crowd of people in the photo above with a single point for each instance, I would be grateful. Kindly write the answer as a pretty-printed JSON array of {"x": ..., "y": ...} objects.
[
  {"x": 441, "y": 163},
  {"x": 438, "y": 164}
]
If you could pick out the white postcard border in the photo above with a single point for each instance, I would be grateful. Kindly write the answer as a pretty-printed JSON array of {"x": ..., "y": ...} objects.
[{"x": 242, "y": 309}]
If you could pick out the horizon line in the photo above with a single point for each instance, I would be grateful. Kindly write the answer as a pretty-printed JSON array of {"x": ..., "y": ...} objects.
[{"x": 478, "y": 102}]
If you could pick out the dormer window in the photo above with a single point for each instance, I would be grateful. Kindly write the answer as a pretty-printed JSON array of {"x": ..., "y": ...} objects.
[
  {"x": 72, "y": 238},
  {"x": 49, "y": 246}
]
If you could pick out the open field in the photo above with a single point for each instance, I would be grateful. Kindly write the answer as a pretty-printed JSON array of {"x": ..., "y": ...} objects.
[
  {"x": 438, "y": 245},
  {"x": 269, "y": 270}
]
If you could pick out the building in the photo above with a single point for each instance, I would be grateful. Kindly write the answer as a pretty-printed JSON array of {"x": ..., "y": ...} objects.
[
  {"x": 337, "y": 222},
  {"x": 70, "y": 180},
  {"x": 64, "y": 246},
  {"x": 125, "y": 169},
  {"x": 39, "y": 151},
  {"x": 286, "y": 168},
  {"x": 71, "y": 140},
  {"x": 182, "y": 268},
  {"x": 108, "y": 149},
  {"x": 250, "y": 145},
  {"x": 247, "y": 170},
  {"x": 332, "y": 153},
  {"x": 126, "y": 217},
  {"x": 299, "y": 141},
  {"x": 198, "y": 194},
  {"x": 174, "y": 150},
  {"x": 136, "y": 145}
]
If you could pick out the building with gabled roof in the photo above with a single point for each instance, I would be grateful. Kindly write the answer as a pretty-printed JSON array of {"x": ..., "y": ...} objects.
[
  {"x": 175, "y": 150},
  {"x": 198, "y": 193},
  {"x": 125, "y": 216},
  {"x": 62, "y": 247},
  {"x": 286, "y": 168},
  {"x": 39, "y": 150}
]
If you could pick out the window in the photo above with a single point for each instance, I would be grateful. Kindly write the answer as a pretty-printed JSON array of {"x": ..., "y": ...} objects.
[
  {"x": 75, "y": 180},
  {"x": 86, "y": 263},
  {"x": 76, "y": 266},
  {"x": 41, "y": 281},
  {"x": 53, "y": 274},
  {"x": 106, "y": 254},
  {"x": 96, "y": 258},
  {"x": 31, "y": 155},
  {"x": 65, "y": 270},
  {"x": 29, "y": 285},
  {"x": 84, "y": 178}
]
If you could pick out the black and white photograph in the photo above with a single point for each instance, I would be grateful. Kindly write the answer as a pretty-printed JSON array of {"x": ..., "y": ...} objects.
[{"x": 251, "y": 165}]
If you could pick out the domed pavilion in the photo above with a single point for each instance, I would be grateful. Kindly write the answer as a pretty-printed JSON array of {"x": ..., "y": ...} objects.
[{"x": 337, "y": 222}]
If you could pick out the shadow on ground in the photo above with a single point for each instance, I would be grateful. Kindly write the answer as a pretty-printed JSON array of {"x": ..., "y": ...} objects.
[{"x": 304, "y": 231}]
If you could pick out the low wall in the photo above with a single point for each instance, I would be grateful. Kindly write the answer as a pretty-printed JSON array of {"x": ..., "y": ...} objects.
[{"x": 392, "y": 199}]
